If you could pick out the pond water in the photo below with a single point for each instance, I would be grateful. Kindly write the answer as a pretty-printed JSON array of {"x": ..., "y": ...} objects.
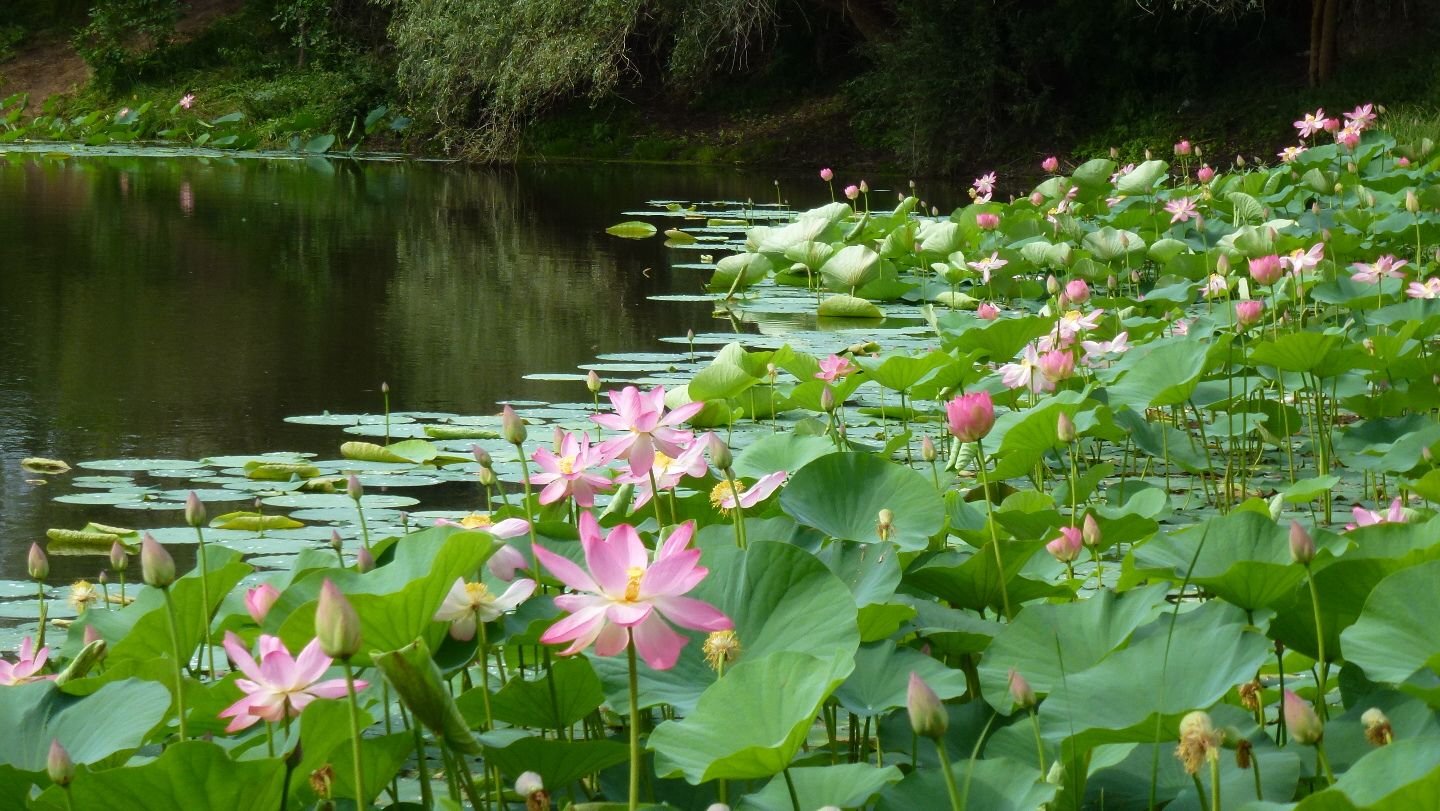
[{"x": 182, "y": 307}]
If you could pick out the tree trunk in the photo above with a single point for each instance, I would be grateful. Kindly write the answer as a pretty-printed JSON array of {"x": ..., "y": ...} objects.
[
  {"x": 1317, "y": 13},
  {"x": 1327, "y": 41}
]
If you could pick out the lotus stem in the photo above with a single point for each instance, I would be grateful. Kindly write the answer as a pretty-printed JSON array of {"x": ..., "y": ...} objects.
[
  {"x": 790, "y": 786},
  {"x": 1320, "y": 645},
  {"x": 364, "y": 528},
  {"x": 483, "y": 653},
  {"x": 954, "y": 791},
  {"x": 427, "y": 798},
  {"x": 994, "y": 538},
  {"x": 1324, "y": 762},
  {"x": 1039, "y": 743},
  {"x": 655, "y": 499},
  {"x": 205, "y": 646},
  {"x": 1215, "y": 784},
  {"x": 740, "y": 540},
  {"x": 635, "y": 725},
  {"x": 175, "y": 651},
  {"x": 1255, "y": 766},
  {"x": 355, "y": 733},
  {"x": 40, "y": 631},
  {"x": 525, "y": 479}
]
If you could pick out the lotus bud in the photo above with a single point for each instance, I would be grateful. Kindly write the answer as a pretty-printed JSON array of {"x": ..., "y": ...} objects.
[
  {"x": 1403, "y": 162},
  {"x": 1339, "y": 188},
  {"x": 1377, "y": 727},
  {"x": 1134, "y": 274},
  {"x": 58, "y": 765},
  {"x": 864, "y": 187},
  {"x": 119, "y": 561},
  {"x": 487, "y": 476},
  {"x": 927, "y": 449},
  {"x": 337, "y": 626},
  {"x": 1052, "y": 285},
  {"x": 927, "y": 714},
  {"x": 364, "y": 560},
  {"x": 1222, "y": 265},
  {"x": 1240, "y": 161},
  {"x": 92, "y": 635},
  {"x": 1111, "y": 282},
  {"x": 720, "y": 452},
  {"x": 1055, "y": 775},
  {"x": 885, "y": 524},
  {"x": 1114, "y": 153},
  {"x": 592, "y": 382},
  {"x": 258, "y": 601},
  {"x": 717, "y": 807},
  {"x": 826, "y": 175},
  {"x": 1037, "y": 199},
  {"x": 899, "y": 197},
  {"x": 1066, "y": 548},
  {"x": 987, "y": 311},
  {"x": 384, "y": 387},
  {"x": 987, "y": 222},
  {"x": 1199, "y": 741},
  {"x": 934, "y": 211},
  {"x": 102, "y": 578},
  {"x": 1148, "y": 156},
  {"x": 1205, "y": 174},
  {"x": 1247, "y": 313},
  {"x": 1050, "y": 164},
  {"x": 1198, "y": 153},
  {"x": 511, "y": 426},
  {"x": 336, "y": 542},
  {"x": 1065, "y": 428},
  {"x": 353, "y": 489},
  {"x": 481, "y": 456},
  {"x": 827, "y": 400},
  {"x": 1077, "y": 291},
  {"x": 38, "y": 563},
  {"x": 1063, "y": 301},
  {"x": 1300, "y": 720},
  {"x": 157, "y": 568},
  {"x": 194, "y": 510},
  {"x": 1183, "y": 148},
  {"x": 1302, "y": 546},
  {"x": 1090, "y": 531},
  {"x": 1412, "y": 202},
  {"x": 506, "y": 561},
  {"x": 1020, "y": 690}
]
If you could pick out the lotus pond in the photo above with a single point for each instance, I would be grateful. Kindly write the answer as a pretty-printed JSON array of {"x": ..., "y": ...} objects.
[{"x": 1118, "y": 495}]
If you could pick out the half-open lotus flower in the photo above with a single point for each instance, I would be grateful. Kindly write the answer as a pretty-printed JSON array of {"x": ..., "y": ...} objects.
[
  {"x": 625, "y": 595},
  {"x": 467, "y": 601},
  {"x": 278, "y": 685}
]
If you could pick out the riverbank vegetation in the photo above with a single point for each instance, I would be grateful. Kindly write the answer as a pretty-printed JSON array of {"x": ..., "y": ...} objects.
[{"x": 922, "y": 85}]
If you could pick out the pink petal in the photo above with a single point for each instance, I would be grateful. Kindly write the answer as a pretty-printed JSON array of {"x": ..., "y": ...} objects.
[
  {"x": 311, "y": 664},
  {"x": 334, "y": 688},
  {"x": 564, "y": 570},
  {"x": 463, "y": 628},
  {"x": 696, "y": 615},
  {"x": 553, "y": 492},
  {"x": 683, "y": 413},
  {"x": 583, "y": 623},
  {"x": 456, "y": 603},
  {"x": 607, "y": 561},
  {"x": 678, "y": 540},
  {"x": 627, "y": 614},
  {"x": 612, "y": 421},
  {"x": 518, "y": 593},
  {"x": 631, "y": 550},
  {"x": 642, "y": 454},
  {"x": 657, "y": 643},
  {"x": 510, "y": 528},
  {"x": 675, "y": 574},
  {"x": 241, "y": 657},
  {"x": 763, "y": 488},
  {"x": 612, "y": 640}
]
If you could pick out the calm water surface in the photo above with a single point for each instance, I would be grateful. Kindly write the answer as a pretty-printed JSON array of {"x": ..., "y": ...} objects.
[{"x": 182, "y": 307}]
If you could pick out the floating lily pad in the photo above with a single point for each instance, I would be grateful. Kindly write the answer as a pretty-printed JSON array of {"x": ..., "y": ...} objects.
[{"x": 140, "y": 464}]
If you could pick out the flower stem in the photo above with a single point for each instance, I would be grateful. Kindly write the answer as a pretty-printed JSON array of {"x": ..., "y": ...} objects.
[
  {"x": 1324, "y": 762},
  {"x": 1320, "y": 644},
  {"x": 1215, "y": 784},
  {"x": 40, "y": 632},
  {"x": 740, "y": 540},
  {"x": 175, "y": 651},
  {"x": 635, "y": 723},
  {"x": 205, "y": 605},
  {"x": 994, "y": 538},
  {"x": 484, "y": 655},
  {"x": 655, "y": 500},
  {"x": 525, "y": 479},
  {"x": 790, "y": 786},
  {"x": 1039, "y": 744},
  {"x": 950, "y": 787},
  {"x": 355, "y": 733},
  {"x": 427, "y": 799},
  {"x": 364, "y": 528}
]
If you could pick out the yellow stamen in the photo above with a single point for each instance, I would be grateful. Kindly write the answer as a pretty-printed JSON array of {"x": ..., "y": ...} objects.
[
  {"x": 632, "y": 586},
  {"x": 477, "y": 592},
  {"x": 567, "y": 464},
  {"x": 722, "y": 491},
  {"x": 477, "y": 521},
  {"x": 721, "y": 648}
]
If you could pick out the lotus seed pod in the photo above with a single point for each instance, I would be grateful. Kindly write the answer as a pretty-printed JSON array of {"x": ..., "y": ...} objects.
[
  {"x": 337, "y": 626},
  {"x": 885, "y": 523},
  {"x": 157, "y": 568},
  {"x": 194, "y": 510},
  {"x": 1199, "y": 741},
  {"x": 1377, "y": 727},
  {"x": 511, "y": 426}
]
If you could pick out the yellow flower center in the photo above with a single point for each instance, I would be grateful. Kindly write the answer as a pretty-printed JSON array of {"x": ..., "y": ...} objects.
[
  {"x": 477, "y": 521},
  {"x": 721, "y": 648},
  {"x": 567, "y": 464},
  {"x": 662, "y": 462},
  {"x": 632, "y": 585},
  {"x": 477, "y": 592},
  {"x": 82, "y": 594},
  {"x": 723, "y": 491}
]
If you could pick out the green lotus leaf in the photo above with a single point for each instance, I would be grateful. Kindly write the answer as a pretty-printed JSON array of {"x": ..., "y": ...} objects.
[
  {"x": 1242, "y": 557},
  {"x": 559, "y": 763},
  {"x": 1394, "y": 638},
  {"x": 184, "y": 774},
  {"x": 788, "y": 451},
  {"x": 89, "y": 727},
  {"x": 632, "y": 229},
  {"x": 850, "y": 268},
  {"x": 420, "y": 685},
  {"x": 994, "y": 785},
  {"x": 569, "y": 693},
  {"x": 843, "y": 306},
  {"x": 843, "y": 493},
  {"x": 881, "y": 679},
  {"x": 848, "y": 785}
]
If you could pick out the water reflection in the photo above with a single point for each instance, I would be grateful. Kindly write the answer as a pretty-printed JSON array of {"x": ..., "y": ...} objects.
[{"x": 183, "y": 307}]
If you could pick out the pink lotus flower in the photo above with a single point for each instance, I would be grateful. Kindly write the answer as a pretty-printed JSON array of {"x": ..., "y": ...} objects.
[
  {"x": 985, "y": 266},
  {"x": 630, "y": 598},
  {"x": 827, "y": 175},
  {"x": 259, "y": 600},
  {"x": 987, "y": 222},
  {"x": 1057, "y": 365},
  {"x": 1311, "y": 123},
  {"x": 669, "y": 471},
  {"x": 278, "y": 685},
  {"x": 987, "y": 311},
  {"x": 1348, "y": 136},
  {"x": 1181, "y": 327},
  {"x": 1097, "y": 351},
  {"x": 1077, "y": 291},
  {"x": 834, "y": 368},
  {"x": 647, "y": 427},
  {"x": 983, "y": 188},
  {"x": 502, "y": 530},
  {"x": 187, "y": 101},
  {"x": 1072, "y": 325},
  {"x": 1369, "y": 518},
  {"x": 852, "y": 192},
  {"x": 1248, "y": 312},
  {"x": 1301, "y": 722},
  {"x": 1181, "y": 210},
  {"x": 1364, "y": 115},
  {"x": 1121, "y": 172},
  {"x": 567, "y": 475},
  {"x": 1301, "y": 261},
  {"x": 1215, "y": 286},
  {"x": 1266, "y": 269},
  {"x": 723, "y": 496},
  {"x": 1183, "y": 148},
  {"x": 1402, "y": 162},
  {"x": 1330, "y": 125},
  {"x": 1050, "y": 164},
  {"x": 970, "y": 416},
  {"x": 24, "y": 669},
  {"x": 1205, "y": 174},
  {"x": 1066, "y": 548},
  {"x": 466, "y": 601},
  {"x": 1021, "y": 374},
  {"x": 1037, "y": 199},
  {"x": 1430, "y": 289},
  {"x": 1290, "y": 153},
  {"x": 1386, "y": 267}
]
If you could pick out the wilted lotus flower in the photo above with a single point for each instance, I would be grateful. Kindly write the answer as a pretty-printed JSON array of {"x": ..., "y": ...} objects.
[
  {"x": 1377, "y": 727},
  {"x": 1199, "y": 741}
]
